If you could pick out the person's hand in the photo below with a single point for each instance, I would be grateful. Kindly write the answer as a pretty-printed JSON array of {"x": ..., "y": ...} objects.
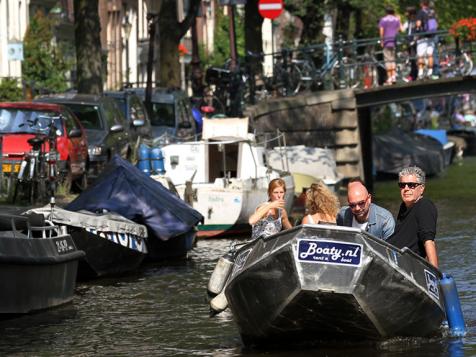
[{"x": 278, "y": 204}]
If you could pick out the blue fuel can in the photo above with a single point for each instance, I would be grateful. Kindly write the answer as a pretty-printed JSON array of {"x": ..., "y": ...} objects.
[{"x": 143, "y": 162}]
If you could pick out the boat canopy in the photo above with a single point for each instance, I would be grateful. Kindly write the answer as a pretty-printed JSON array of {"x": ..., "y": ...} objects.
[{"x": 124, "y": 189}]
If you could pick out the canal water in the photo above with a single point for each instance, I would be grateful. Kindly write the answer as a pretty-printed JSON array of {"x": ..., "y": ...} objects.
[{"x": 162, "y": 309}]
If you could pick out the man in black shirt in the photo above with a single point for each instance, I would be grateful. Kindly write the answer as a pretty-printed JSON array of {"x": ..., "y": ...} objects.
[{"x": 416, "y": 220}]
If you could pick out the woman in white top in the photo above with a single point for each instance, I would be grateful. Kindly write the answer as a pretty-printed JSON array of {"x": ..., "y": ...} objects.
[{"x": 322, "y": 205}]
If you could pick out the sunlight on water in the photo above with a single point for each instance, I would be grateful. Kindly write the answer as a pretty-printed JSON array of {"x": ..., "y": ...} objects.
[{"x": 162, "y": 310}]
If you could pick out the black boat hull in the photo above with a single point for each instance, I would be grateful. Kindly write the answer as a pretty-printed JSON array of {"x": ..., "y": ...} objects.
[
  {"x": 173, "y": 248},
  {"x": 36, "y": 273},
  {"x": 284, "y": 290},
  {"x": 103, "y": 257}
]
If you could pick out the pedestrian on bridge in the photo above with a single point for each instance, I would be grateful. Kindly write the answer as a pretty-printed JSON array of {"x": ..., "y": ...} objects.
[{"x": 389, "y": 26}]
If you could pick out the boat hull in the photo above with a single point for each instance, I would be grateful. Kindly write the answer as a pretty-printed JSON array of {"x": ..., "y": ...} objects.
[
  {"x": 175, "y": 247},
  {"x": 103, "y": 256},
  {"x": 36, "y": 273},
  {"x": 284, "y": 290}
]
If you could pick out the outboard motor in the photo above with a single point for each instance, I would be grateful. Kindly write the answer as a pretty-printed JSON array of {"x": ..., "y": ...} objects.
[{"x": 452, "y": 306}]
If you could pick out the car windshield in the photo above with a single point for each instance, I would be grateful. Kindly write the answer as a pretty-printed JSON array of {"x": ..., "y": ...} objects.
[
  {"x": 121, "y": 103},
  {"x": 88, "y": 115},
  {"x": 14, "y": 120},
  {"x": 163, "y": 114}
]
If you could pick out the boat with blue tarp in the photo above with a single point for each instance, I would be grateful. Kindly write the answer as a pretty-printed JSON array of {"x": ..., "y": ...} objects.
[
  {"x": 321, "y": 282},
  {"x": 123, "y": 189}
]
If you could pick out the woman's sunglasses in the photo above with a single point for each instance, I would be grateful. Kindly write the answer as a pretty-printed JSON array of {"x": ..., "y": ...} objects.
[{"x": 411, "y": 185}]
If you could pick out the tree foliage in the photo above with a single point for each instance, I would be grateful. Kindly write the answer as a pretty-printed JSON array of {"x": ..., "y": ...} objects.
[
  {"x": 43, "y": 67},
  {"x": 221, "y": 51},
  {"x": 9, "y": 90}
]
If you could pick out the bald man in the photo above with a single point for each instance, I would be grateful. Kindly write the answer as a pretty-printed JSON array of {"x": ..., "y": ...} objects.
[{"x": 363, "y": 214}]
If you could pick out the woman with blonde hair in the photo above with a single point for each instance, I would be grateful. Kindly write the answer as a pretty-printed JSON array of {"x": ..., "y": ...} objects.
[
  {"x": 271, "y": 217},
  {"x": 321, "y": 203}
]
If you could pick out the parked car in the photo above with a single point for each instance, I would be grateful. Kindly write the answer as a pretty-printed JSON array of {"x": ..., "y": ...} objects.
[
  {"x": 135, "y": 112},
  {"x": 105, "y": 125},
  {"x": 171, "y": 112},
  {"x": 20, "y": 121}
]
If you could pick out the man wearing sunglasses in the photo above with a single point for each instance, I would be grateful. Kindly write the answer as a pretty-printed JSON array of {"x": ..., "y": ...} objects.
[
  {"x": 362, "y": 213},
  {"x": 416, "y": 220}
]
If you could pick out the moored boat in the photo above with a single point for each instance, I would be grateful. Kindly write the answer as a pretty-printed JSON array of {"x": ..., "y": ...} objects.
[
  {"x": 123, "y": 189},
  {"x": 113, "y": 244},
  {"x": 317, "y": 282},
  {"x": 38, "y": 265},
  {"x": 224, "y": 176}
]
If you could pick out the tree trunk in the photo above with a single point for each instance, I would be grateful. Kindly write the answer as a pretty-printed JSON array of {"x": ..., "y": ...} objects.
[
  {"x": 88, "y": 47},
  {"x": 253, "y": 37},
  {"x": 170, "y": 32}
]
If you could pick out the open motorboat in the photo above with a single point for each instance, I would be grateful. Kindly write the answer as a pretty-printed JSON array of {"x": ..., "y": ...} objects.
[
  {"x": 38, "y": 264},
  {"x": 319, "y": 282},
  {"x": 113, "y": 244},
  {"x": 224, "y": 176}
]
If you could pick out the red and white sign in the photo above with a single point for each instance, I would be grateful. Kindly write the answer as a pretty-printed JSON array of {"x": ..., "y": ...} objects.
[{"x": 270, "y": 9}]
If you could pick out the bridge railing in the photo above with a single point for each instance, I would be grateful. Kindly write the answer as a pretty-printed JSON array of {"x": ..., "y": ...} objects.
[{"x": 355, "y": 63}]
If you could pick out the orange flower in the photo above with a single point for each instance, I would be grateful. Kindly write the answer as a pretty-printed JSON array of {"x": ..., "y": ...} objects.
[{"x": 464, "y": 29}]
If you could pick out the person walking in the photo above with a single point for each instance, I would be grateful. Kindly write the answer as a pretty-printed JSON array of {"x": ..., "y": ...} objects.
[
  {"x": 425, "y": 42},
  {"x": 389, "y": 26},
  {"x": 417, "y": 216},
  {"x": 362, "y": 213}
]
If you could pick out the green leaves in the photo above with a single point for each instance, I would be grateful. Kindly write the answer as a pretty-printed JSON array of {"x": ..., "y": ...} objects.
[{"x": 43, "y": 67}]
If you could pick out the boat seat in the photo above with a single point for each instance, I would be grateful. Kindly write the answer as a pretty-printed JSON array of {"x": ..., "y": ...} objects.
[{"x": 9, "y": 222}]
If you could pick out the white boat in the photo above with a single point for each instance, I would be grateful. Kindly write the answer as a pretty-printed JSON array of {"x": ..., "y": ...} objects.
[
  {"x": 307, "y": 165},
  {"x": 224, "y": 176}
]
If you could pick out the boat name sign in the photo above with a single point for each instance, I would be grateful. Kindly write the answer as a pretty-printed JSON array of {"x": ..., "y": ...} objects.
[
  {"x": 329, "y": 252},
  {"x": 63, "y": 246}
]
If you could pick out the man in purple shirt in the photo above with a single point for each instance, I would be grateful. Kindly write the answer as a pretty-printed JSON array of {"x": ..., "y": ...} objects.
[{"x": 389, "y": 26}]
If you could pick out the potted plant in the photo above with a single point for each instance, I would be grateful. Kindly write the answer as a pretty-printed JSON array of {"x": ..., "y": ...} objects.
[{"x": 464, "y": 30}]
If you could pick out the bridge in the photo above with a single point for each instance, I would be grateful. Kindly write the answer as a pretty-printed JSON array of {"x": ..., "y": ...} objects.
[{"x": 341, "y": 119}]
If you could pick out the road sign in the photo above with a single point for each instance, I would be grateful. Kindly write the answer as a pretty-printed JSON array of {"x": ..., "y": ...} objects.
[{"x": 270, "y": 9}]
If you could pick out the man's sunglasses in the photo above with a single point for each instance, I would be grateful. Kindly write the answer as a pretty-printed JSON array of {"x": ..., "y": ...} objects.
[
  {"x": 411, "y": 185},
  {"x": 360, "y": 204}
]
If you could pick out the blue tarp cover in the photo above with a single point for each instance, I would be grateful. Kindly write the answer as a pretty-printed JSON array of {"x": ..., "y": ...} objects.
[{"x": 124, "y": 189}]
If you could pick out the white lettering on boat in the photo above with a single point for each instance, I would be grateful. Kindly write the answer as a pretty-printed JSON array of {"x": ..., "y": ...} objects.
[{"x": 329, "y": 252}]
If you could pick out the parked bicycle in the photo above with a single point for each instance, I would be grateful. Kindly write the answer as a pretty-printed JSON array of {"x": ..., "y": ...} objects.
[{"x": 37, "y": 177}]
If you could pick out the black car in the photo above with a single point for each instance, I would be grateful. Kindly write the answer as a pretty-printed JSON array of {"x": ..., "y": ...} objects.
[
  {"x": 171, "y": 112},
  {"x": 135, "y": 112},
  {"x": 105, "y": 125}
]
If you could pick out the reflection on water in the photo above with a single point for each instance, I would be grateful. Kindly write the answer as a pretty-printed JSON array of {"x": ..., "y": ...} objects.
[{"x": 163, "y": 310}]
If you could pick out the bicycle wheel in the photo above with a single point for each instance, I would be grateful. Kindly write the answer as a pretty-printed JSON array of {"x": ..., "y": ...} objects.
[
  {"x": 464, "y": 64},
  {"x": 351, "y": 71},
  {"x": 307, "y": 74},
  {"x": 403, "y": 65}
]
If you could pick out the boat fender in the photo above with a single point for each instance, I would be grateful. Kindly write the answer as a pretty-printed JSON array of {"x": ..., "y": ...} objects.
[
  {"x": 452, "y": 306},
  {"x": 143, "y": 162},
  {"x": 220, "y": 274},
  {"x": 218, "y": 304}
]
